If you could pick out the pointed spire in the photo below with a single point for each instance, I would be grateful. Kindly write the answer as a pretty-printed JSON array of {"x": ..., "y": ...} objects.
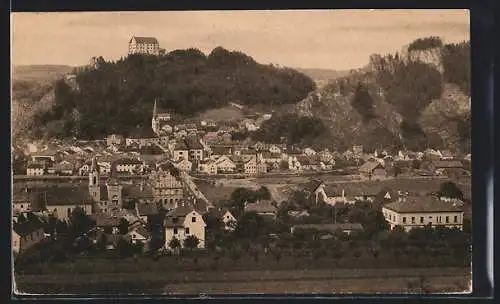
[
  {"x": 94, "y": 167},
  {"x": 154, "y": 110}
]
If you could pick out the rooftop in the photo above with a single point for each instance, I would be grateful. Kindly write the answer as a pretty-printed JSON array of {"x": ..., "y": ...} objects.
[{"x": 423, "y": 204}]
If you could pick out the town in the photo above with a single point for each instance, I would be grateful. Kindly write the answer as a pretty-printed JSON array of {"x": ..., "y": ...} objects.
[{"x": 200, "y": 189}]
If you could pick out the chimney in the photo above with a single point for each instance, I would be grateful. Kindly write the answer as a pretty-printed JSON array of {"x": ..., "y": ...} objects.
[{"x": 343, "y": 194}]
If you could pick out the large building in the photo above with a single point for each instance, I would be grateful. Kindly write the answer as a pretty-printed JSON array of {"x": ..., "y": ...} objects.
[
  {"x": 143, "y": 45},
  {"x": 108, "y": 197},
  {"x": 414, "y": 212}
]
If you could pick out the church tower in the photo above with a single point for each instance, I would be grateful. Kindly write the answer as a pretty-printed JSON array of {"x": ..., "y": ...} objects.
[
  {"x": 94, "y": 180},
  {"x": 114, "y": 191},
  {"x": 155, "y": 123}
]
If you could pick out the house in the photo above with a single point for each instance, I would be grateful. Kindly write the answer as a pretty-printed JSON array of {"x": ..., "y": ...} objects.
[
  {"x": 274, "y": 149},
  {"x": 419, "y": 211},
  {"x": 181, "y": 151},
  {"x": 445, "y": 166},
  {"x": 182, "y": 222},
  {"x": 225, "y": 165},
  {"x": 270, "y": 157},
  {"x": 221, "y": 150},
  {"x": 139, "y": 234},
  {"x": 115, "y": 140},
  {"x": 309, "y": 152},
  {"x": 293, "y": 163},
  {"x": 183, "y": 165},
  {"x": 21, "y": 201},
  {"x": 47, "y": 157},
  {"x": 35, "y": 169},
  {"x": 141, "y": 193},
  {"x": 309, "y": 162},
  {"x": 372, "y": 170},
  {"x": 446, "y": 155},
  {"x": 64, "y": 168},
  {"x": 145, "y": 210},
  {"x": 62, "y": 201},
  {"x": 326, "y": 157},
  {"x": 255, "y": 165},
  {"x": 263, "y": 208},
  {"x": 211, "y": 137},
  {"x": 104, "y": 222},
  {"x": 26, "y": 234},
  {"x": 128, "y": 165},
  {"x": 227, "y": 218},
  {"x": 143, "y": 45},
  {"x": 207, "y": 167},
  {"x": 347, "y": 228},
  {"x": 195, "y": 148},
  {"x": 168, "y": 188}
]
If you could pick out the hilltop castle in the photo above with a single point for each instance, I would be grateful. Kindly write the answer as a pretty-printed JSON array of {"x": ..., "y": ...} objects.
[{"x": 144, "y": 45}]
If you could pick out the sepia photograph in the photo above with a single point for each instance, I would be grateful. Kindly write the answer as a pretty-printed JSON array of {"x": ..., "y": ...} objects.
[{"x": 236, "y": 152}]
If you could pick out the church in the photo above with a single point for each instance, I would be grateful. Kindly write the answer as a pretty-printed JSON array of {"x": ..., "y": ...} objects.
[
  {"x": 158, "y": 121},
  {"x": 108, "y": 196}
]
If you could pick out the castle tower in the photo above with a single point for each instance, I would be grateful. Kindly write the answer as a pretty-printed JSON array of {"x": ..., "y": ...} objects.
[
  {"x": 94, "y": 180},
  {"x": 155, "y": 123}
]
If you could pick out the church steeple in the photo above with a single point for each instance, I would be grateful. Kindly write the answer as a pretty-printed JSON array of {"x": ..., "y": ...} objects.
[{"x": 155, "y": 114}]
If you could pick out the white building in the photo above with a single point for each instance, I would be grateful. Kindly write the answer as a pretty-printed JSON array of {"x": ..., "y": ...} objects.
[
  {"x": 143, "y": 45},
  {"x": 412, "y": 212},
  {"x": 183, "y": 222},
  {"x": 34, "y": 170}
]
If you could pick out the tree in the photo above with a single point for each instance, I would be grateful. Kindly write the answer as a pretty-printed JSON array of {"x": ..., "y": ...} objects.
[
  {"x": 123, "y": 226},
  {"x": 191, "y": 242},
  {"x": 363, "y": 103},
  {"x": 451, "y": 190},
  {"x": 125, "y": 249},
  {"x": 174, "y": 244},
  {"x": 80, "y": 222}
]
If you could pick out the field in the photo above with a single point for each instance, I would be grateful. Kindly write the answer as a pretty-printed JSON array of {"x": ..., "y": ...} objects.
[
  {"x": 262, "y": 281},
  {"x": 416, "y": 185}
]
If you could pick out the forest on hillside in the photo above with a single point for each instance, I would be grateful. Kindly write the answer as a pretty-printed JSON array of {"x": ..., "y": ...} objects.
[{"x": 117, "y": 97}]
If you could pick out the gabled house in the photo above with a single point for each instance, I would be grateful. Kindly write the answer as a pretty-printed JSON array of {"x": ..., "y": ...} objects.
[
  {"x": 225, "y": 165},
  {"x": 207, "y": 167},
  {"x": 309, "y": 163},
  {"x": 139, "y": 234},
  {"x": 441, "y": 166},
  {"x": 104, "y": 222},
  {"x": 373, "y": 170},
  {"x": 26, "y": 234},
  {"x": 183, "y": 165},
  {"x": 180, "y": 151},
  {"x": 227, "y": 218},
  {"x": 183, "y": 222},
  {"x": 64, "y": 168}
]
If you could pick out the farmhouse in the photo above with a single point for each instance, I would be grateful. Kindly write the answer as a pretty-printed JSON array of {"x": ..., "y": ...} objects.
[{"x": 26, "y": 234}]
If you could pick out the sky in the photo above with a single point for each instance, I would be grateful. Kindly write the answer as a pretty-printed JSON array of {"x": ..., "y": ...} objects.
[{"x": 330, "y": 39}]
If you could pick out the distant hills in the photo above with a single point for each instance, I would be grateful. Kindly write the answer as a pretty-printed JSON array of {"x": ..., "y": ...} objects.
[
  {"x": 323, "y": 75},
  {"x": 40, "y": 73}
]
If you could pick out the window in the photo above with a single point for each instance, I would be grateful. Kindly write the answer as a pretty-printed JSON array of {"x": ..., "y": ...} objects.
[
  {"x": 193, "y": 219},
  {"x": 421, "y": 219},
  {"x": 455, "y": 219},
  {"x": 22, "y": 206},
  {"x": 447, "y": 219},
  {"x": 187, "y": 230},
  {"x": 133, "y": 236},
  {"x": 413, "y": 220},
  {"x": 175, "y": 230},
  {"x": 404, "y": 219}
]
